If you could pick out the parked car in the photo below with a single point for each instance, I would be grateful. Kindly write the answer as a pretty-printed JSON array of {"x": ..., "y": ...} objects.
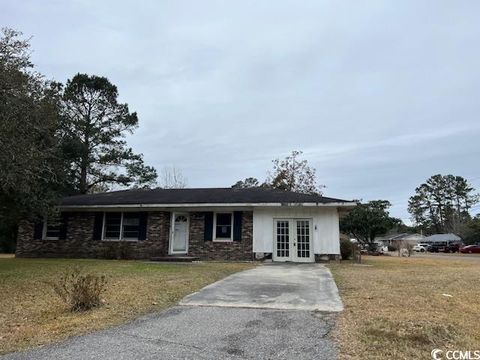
[
  {"x": 452, "y": 248},
  {"x": 470, "y": 249},
  {"x": 421, "y": 247},
  {"x": 435, "y": 248}
]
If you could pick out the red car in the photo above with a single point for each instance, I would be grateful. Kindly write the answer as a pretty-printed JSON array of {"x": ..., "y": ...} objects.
[{"x": 470, "y": 249}]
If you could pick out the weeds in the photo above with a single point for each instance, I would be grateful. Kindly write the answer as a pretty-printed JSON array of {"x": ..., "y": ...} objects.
[{"x": 80, "y": 291}]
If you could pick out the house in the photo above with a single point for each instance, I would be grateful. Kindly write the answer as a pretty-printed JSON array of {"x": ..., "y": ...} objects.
[
  {"x": 442, "y": 239},
  {"x": 395, "y": 239},
  {"x": 209, "y": 224}
]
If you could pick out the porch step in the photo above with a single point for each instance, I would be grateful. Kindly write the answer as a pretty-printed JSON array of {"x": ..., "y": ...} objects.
[{"x": 172, "y": 258}]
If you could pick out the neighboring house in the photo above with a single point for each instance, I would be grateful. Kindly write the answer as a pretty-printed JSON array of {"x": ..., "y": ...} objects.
[
  {"x": 442, "y": 238},
  {"x": 210, "y": 224},
  {"x": 395, "y": 239}
]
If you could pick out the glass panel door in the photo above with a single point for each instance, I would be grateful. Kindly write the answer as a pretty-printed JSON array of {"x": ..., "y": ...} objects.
[
  {"x": 180, "y": 234},
  {"x": 293, "y": 240},
  {"x": 282, "y": 240},
  {"x": 303, "y": 239}
]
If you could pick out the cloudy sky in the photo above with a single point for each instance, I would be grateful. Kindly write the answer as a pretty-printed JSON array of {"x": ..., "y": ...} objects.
[{"x": 378, "y": 94}]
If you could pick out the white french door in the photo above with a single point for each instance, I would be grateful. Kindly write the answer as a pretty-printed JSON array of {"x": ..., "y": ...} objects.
[{"x": 293, "y": 240}]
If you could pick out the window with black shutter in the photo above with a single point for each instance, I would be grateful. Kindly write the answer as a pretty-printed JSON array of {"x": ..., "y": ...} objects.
[
  {"x": 128, "y": 226},
  {"x": 112, "y": 224},
  {"x": 223, "y": 226},
  {"x": 52, "y": 228}
]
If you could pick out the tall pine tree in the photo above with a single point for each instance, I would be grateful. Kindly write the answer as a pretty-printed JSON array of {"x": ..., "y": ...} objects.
[{"x": 94, "y": 126}]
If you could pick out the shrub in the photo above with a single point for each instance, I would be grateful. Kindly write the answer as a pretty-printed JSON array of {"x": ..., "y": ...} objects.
[
  {"x": 80, "y": 291},
  {"x": 346, "y": 248},
  {"x": 117, "y": 250},
  {"x": 123, "y": 251}
]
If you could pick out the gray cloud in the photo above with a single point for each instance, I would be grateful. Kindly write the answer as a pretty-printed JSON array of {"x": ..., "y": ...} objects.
[{"x": 380, "y": 95}]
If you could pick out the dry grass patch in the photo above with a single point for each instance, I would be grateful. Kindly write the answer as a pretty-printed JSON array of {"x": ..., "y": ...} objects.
[
  {"x": 395, "y": 308},
  {"x": 32, "y": 314}
]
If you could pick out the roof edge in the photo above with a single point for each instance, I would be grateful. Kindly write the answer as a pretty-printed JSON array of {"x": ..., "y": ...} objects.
[{"x": 350, "y": 204}]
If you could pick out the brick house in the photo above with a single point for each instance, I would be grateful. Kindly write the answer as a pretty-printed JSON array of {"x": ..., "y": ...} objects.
[{"x": 209, "y": 224}]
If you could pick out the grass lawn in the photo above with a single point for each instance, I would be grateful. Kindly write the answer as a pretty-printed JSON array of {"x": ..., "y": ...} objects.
[
  {"x": 395, "y": 307},
  {"x": 31, "y": 314}
]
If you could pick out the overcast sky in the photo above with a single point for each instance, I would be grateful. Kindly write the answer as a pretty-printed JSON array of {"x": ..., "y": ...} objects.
[{"x": 378, "y": 94}]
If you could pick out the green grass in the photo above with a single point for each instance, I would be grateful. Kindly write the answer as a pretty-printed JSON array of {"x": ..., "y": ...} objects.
[{"x": 31, "y": 314}]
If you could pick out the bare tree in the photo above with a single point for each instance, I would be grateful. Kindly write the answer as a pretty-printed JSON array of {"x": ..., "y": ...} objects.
[
  {"x": 405, "y": 248},
  {"x": 172, "y": 178}
]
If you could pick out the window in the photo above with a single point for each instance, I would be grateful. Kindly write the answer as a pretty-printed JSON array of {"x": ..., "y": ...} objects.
[
  {"x": 130, "y": 226},
  {"x": 51, "y": 229},
  {"x": 112, "y": 223},
  {"x": 223, "y": 226},
  {"x": 121, "y": 226}
]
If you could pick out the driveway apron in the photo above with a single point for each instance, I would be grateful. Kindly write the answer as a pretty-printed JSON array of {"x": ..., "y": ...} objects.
[{"x": 287, "y": 287}]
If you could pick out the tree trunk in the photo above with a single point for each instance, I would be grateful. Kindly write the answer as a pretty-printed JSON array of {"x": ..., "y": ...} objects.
[{"x": 83, "y": 178}]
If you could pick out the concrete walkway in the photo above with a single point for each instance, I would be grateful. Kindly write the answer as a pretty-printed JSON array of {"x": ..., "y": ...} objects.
[
  {"x": 288, "y": 287},
  {"x": 236, "y": 320}
]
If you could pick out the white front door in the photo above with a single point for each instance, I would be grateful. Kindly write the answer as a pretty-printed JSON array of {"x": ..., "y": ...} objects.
[
  {"x": 179, "y": 234},
  {"x": 293, "y": 240}
]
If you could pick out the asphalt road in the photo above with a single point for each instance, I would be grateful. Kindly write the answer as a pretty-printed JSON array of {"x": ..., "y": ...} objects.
[{"x": 185, "y": 332}]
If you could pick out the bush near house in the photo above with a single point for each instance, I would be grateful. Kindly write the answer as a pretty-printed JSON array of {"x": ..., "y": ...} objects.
[{"x": 346, "y": 248}]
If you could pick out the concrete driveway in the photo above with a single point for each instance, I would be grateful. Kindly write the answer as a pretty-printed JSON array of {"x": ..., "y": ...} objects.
[
  {"x": 288, "y": 287},
  {"x": 238, "y": 319}
]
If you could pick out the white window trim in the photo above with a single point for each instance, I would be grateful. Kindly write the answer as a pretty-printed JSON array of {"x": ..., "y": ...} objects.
[
  {"x": 215, "y": 227},
  {"x": 44, "y": 231},
  {"x": 120, "y": 238}
]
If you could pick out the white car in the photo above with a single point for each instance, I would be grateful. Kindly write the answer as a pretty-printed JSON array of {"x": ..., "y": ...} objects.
[{"x": 420, "y": 247}]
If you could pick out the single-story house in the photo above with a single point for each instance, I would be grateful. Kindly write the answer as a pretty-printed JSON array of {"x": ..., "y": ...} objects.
[
  {"x": 442, "y": 238},
  {"x": 209, "y": 224},
  {"x": 395, "y": 239}
]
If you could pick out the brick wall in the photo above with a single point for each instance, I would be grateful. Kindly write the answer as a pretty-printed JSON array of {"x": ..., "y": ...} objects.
[
  {"x": 79, "y": 241},
  {"x": 212, "y": 250}
]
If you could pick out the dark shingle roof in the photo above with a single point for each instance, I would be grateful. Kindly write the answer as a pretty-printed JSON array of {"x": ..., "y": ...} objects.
[{"x": 196, "y": 196}]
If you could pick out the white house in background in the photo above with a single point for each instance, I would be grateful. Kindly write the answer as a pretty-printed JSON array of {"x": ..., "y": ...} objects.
[
  {"x": 394, "y": 239},
  {"x": 208, "y": 224},
  {"x": 442, "y": 238}
]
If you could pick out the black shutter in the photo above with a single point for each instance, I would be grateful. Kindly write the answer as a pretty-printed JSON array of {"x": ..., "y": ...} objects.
[
  {"x": 142, "y": 230},
  {"x": 63, "y": 226},
  {"x": 237, "y": 225},
  {"x": 38, "y": 231},
  {"x": 208, "y": 231},
  {"x": 98, "y": 226}
]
